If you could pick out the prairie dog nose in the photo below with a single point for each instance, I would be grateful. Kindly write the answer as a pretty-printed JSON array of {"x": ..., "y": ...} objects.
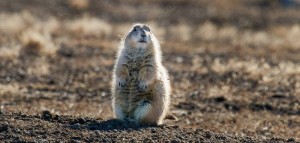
[{"x": 143, "y": 34}]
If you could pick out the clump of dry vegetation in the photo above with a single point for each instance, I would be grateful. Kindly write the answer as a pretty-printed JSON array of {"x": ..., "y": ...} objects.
[
  {"x": 9, "y": 89},
  {"x": 88, "y": 26},
  {"x": 79, "y": 4},
  {"x": 35, "y": 43},
  {"x": 14, "y": 24},
  {"x": 9, "y": 52},
  {"x": 180, "y": 32}
]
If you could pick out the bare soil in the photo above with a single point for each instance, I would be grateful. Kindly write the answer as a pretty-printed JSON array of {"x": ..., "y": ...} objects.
[
  {"x": 234, "y": 67},
  {"x": 18, "y": 127}
]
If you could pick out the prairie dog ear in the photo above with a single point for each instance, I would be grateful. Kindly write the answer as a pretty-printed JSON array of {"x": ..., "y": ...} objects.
[{"x": 147, "y": 28}]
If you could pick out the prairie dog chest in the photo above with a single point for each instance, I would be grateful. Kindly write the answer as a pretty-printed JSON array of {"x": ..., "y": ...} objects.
[
  {"x": 136, "y": 60},
  {"x": 136, "y": 55}
]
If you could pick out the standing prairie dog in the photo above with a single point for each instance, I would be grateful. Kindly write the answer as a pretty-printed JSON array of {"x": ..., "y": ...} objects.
[{"x": 140, "y": 87}]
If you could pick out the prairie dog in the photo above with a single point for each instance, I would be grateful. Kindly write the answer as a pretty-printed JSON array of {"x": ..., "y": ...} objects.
[{"x": 140, "y": 87}]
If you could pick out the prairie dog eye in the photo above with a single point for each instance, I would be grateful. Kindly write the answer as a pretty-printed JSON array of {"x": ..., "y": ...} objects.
[
  {"x": 134, "y": 29},
  {"x": 147, "y": 28}
]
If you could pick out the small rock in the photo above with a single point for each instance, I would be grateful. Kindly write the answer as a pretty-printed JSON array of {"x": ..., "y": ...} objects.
[
  {"x": 103, "y": 94},
  {"x": 291, "y": 140},
  {"x": 199, "y": 130},
  {"x": 220, "y": 99},
  {"x": 171, "y": 117},
  {"x": 148, "y": 140},
  {"x": 207, "y": 134},
  {"x": 75, "y": 141},
  {"x": 180, "y": 112},
  {"x": 46, "y": 115},
  {"x": 4, "y": 127},
  {"x": 81, "y": 120},
  {"x": 175, "y": 141},
  {"x": 56, "y": 117},
  {"x": 175, "y": 127},
  {"x": 76, "y": 138},
  {"x": 75, "y": 126},
  {"x": 153, "y": 131},
  {"x": 232, "y": 107},
  {"x": 8, "y": 79},
  {"x": 179, "y": 59}
]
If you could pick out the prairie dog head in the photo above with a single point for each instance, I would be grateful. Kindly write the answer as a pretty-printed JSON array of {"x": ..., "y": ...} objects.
[{"x": 139, "y": 36}]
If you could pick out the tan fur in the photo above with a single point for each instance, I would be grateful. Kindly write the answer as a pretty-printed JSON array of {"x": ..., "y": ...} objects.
[{"x": 140, "y": 86}]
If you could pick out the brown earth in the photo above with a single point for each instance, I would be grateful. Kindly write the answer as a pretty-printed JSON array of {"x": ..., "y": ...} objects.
[
  {"x": 234, "y": 67},
  {"x": 17, "y": 127}
]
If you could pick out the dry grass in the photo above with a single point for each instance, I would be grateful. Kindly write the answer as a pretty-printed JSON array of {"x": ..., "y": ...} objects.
[
  {"x": 179, "y": 32},
  {"x": 51, "y": 26},
  {"x": 207, "y": 31},
  {"x": 9, "y": 52},
  {"x": 79, "y": 4},
  {"x": 89, "y": 26},
  {"x": 273, "y": 37},
  {"x": 9, "y": 89},
  {"x": 260, "y": 68},
  {"x": 36, "y": 43},
  {"x": 38, "y": 67},
  {"x": 35, "y": 35},
  {"x": 14, "y": 24}
]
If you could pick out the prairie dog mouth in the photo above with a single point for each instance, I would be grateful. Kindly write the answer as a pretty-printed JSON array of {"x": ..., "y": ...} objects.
[{"x": 142, "y": 41}]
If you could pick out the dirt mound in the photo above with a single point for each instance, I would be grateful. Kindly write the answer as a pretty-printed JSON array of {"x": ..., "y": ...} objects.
[{"x": 18, "y": 127}]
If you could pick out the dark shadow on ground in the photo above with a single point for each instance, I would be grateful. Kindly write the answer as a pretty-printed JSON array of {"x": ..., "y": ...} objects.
[
  {"x": 87, "y": 123},
  {"x": 115, "y": 124}
]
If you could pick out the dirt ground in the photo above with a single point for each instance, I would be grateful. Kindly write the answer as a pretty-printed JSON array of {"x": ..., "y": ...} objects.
[{"x": 234, "y": 67}]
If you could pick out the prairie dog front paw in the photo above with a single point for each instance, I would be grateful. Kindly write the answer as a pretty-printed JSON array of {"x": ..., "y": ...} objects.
[{"x": 143, "y": 85}]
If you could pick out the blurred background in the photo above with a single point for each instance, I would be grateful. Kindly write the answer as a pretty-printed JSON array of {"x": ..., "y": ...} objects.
[{"x": 234, "y": 64}]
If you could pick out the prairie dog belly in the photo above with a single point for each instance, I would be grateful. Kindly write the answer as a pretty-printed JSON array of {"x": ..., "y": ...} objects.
[{"x": 130, "y": 94}]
